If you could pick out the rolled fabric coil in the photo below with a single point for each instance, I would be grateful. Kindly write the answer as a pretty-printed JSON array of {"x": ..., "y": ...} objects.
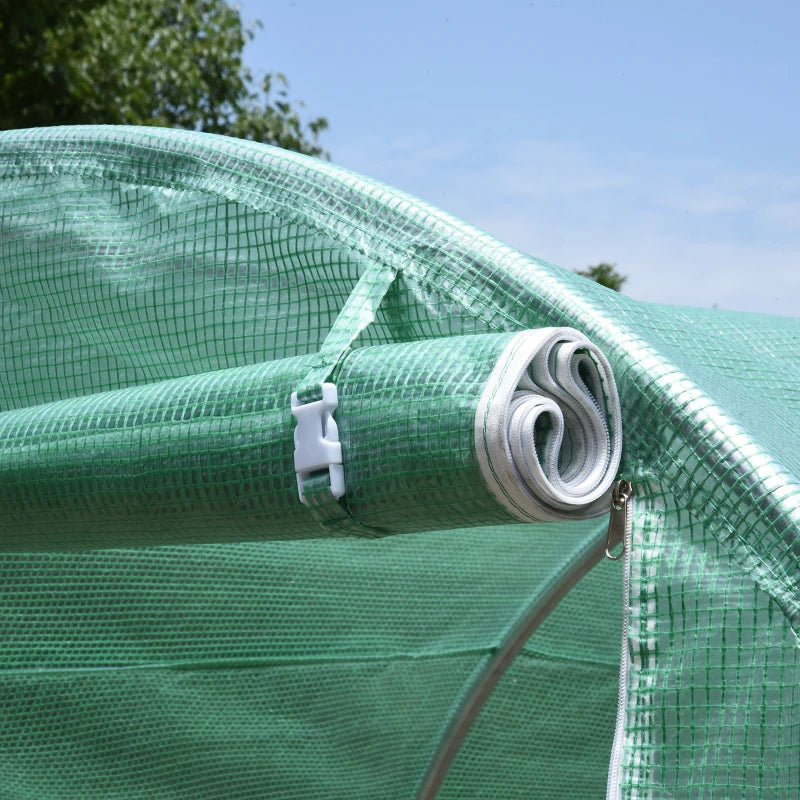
[
  {"x": 548, "y": 427},
  {"x": 443, "y": 433}
]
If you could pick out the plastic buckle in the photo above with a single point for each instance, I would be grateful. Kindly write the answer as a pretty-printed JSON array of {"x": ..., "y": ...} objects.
[{"x": 316, "y": 440}]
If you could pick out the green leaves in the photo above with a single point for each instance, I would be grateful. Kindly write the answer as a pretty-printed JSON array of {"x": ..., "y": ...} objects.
[
  {"x": 175, "y": 63},
  {"x": 605, "y": 274}
]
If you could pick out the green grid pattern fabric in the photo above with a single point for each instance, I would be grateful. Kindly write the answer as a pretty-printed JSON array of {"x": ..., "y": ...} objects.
[
  {"x": 319, "y": 668},
  {"x": 723, "y": 672},
  {"x": 176, "y": 624},
  {"x": 209, "y": 457}
]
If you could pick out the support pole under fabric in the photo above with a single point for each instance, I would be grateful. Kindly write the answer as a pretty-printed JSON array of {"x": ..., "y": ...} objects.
[{"x": 544, "y": 601}]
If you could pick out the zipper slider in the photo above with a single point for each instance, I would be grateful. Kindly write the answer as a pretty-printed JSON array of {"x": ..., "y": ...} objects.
[{"x": 618, "y": 521}]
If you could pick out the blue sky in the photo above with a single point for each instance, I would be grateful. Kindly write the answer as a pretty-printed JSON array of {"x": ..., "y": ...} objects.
[{"x": 662, "y": 136}]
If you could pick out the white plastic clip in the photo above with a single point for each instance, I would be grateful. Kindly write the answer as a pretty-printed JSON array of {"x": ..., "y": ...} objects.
[{"x": 316, "y": 440}]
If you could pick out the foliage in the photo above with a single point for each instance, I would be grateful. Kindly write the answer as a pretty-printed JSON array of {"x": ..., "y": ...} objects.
[
  {"x": 605, "y": 274},
  {"x": 175, "y": 63}
]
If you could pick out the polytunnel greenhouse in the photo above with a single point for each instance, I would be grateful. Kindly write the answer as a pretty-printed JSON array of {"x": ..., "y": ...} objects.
[{"x": 307, "y": 488}]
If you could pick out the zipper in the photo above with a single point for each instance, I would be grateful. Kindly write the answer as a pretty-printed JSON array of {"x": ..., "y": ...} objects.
[
  {"x": 620, "y": 531},
  {"x": 618, "y": 520}
]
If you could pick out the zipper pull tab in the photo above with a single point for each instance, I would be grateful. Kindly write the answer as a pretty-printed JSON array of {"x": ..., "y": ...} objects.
[{"x": 618, "y": 521}]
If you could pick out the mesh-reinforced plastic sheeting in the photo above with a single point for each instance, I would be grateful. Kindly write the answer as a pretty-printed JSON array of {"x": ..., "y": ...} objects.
[
  {"x": 211, "y": 457},
  {"x": 162, "y": 294}
]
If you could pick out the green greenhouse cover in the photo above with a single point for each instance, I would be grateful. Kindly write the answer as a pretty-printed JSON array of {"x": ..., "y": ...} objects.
[{"x": 306, "y": 489}]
